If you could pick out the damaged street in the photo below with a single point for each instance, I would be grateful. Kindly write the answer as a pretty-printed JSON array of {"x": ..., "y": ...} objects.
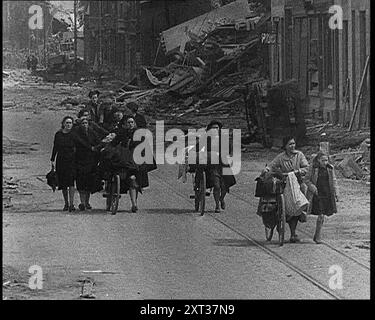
[{"x": 222, "y": 63}]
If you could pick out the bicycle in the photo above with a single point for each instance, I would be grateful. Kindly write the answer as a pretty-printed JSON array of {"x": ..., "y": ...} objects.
[
  {"x": 279, "y": 220},
  {"x": 113, "y": 193},
  {"x": 272, "y": 208},
  {"x": 111, "y": 177}
]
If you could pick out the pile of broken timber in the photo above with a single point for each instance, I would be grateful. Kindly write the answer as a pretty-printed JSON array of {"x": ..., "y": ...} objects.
[
  {"x": 316, "y": 129},
  {"x": 354, "y": 163},
  {"x": 134, "y": 95}
]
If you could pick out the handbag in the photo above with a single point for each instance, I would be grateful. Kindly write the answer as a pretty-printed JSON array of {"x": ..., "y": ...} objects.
[
  {"x": 268, "y": 184},
  {"x": 52, "y": 179}
]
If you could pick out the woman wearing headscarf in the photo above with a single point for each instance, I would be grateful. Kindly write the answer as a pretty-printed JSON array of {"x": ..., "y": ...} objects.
[
  {"x": 85, "y": 139},
  {"x": 85, "y": 113},
  {"x": 291, "y": 160},
  {"x": 64, "y": 153},
  {"x": 136, "y": 177}
]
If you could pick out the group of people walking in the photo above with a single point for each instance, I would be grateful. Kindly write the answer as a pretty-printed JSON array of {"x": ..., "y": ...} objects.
[
  {"x": 76, "y": 158},
  {"x": 77, "y": 146}
]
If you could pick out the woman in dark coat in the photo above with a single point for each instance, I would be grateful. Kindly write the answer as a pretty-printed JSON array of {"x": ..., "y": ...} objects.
[
  {"x": 64, "y": 153},
  {"x": 322, "y": 191},
  {"x": 137, "y": 175},
  {"x": 100, "y": 131},
  {"x": 86, "y": 139}
]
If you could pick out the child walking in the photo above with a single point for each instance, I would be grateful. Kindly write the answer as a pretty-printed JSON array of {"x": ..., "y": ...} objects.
[{"x": 322, "y": 191}]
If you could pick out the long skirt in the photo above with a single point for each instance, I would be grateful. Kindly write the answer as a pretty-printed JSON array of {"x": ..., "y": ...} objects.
[
  {"x": 86, "y": 178},
  {"x": 66, "y": 172},
  {"x": 322, "y": 205},
  {"x": 215, "y": 177}
]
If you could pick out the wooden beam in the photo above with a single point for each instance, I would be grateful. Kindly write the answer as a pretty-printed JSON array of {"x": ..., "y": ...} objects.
[
  {"x": 362, "y": 55},
  {"x": 359, "y": 93}
]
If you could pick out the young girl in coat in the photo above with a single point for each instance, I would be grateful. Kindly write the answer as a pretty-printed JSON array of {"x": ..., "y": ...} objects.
[{"x": 322, "y": 191}]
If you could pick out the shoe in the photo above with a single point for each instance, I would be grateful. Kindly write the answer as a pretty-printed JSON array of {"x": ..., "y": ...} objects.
[
  {"x": 66, "y": 208},
  {"x": 72, "y": 208},
  {"x": 217, "y": 210},
  {"x": 88, "y": 206},
  {"x": 134, "y": 209},
  {"x": 222, "y": 202},
  {"x": 295, "y": 239},
  {"x": 316, "y": 240},
  {"x": 81, "y": 207}
]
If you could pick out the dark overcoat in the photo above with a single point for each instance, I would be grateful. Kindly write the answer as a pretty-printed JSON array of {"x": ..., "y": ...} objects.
[{"x": 311, "y": 179}]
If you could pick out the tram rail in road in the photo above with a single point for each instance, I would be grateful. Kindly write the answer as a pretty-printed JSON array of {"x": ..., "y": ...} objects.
[{"x": 325, "y": 288}]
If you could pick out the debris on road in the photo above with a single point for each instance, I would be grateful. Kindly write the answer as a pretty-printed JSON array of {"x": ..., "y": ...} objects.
[
  {"x": 17, "y": 147},
  {"x": 87, "y": 288},
  {"x": 354, "y": 163},
  {"x": 13, "y": 187},
  {"x": 98, "y": 271}
]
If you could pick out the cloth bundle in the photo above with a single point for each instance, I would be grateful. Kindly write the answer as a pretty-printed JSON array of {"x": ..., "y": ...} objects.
[{"x": 295, "y": 200}]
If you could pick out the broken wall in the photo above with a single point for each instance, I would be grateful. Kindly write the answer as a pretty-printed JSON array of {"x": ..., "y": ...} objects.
[{"x": 161, "y": 15}]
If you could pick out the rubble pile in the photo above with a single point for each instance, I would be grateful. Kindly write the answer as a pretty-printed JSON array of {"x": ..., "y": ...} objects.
[
  {"x": 206, "y": 79},
  {"x": 14, "y": 59},
  {"x": 17, "y": 147},
  {"x": 12, "y": 77},
  {"x": 12, "y": 187},
  {"x": 349, "y": 151},
  {"x": 338, "y": 137},
  {"x": 354, "y": 163}
]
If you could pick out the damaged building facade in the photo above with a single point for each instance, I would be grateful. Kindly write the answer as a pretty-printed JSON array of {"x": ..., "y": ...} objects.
[
  {"x": 122, "y": 35},
  {"x": 329, "y": 64}
]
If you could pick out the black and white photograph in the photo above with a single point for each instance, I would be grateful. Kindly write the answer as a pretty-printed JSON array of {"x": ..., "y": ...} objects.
[{"x": 200, "y": 152}]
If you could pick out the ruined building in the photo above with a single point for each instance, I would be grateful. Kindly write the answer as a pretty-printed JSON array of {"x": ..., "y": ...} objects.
[
  {"x": 121, "y": 35},
  {"x": 328, "y": 63}
]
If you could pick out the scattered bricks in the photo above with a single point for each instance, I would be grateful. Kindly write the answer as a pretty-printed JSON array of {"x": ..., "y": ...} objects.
[
  {"x": 350, "y": 169},
  {"x": 8, "y": 104}
]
